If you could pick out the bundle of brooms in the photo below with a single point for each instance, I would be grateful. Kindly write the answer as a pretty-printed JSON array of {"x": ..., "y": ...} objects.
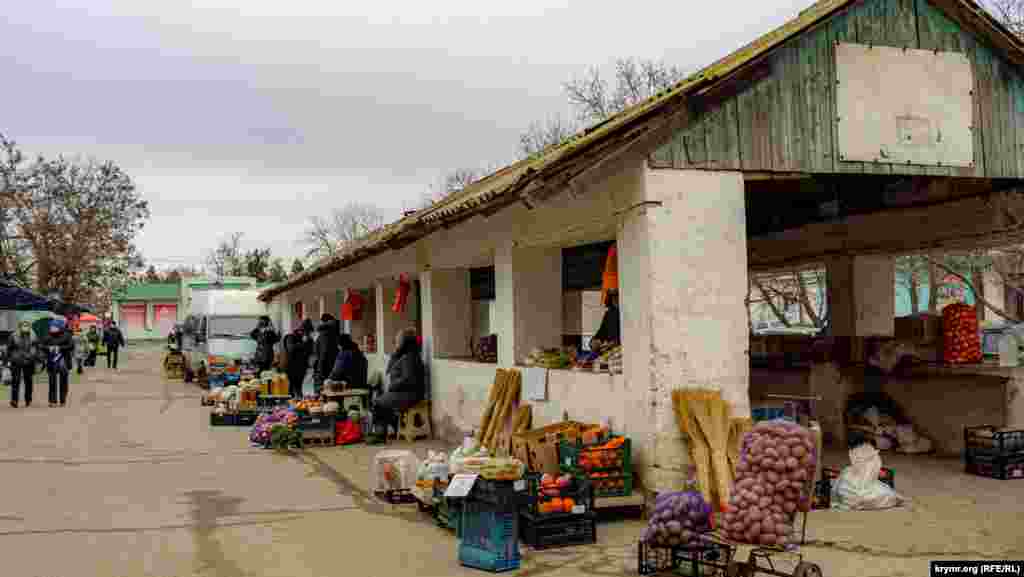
[
  {"x": 714, "y": 440},
  {"x": 502, "y": 402}
]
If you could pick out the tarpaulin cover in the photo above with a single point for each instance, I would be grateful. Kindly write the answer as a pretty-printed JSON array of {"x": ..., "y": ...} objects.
[{"x": 17, "y": 298}]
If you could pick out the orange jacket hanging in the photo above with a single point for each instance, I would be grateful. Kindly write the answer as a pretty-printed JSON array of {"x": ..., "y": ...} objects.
[{"x": 610, "y": 278}]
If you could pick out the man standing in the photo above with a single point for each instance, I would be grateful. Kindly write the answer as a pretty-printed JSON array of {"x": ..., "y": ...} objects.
[
  {"x": 113, "y": 338},
  {"x": 23, "y": 350},
  {"x": 92, "y": 339},
  {"x": 266, "y": 337},
  {"x": 297, "y": 350}
]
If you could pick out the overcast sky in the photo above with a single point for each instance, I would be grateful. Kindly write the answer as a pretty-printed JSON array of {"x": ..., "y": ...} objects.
[{"x": 253, "y": 115}]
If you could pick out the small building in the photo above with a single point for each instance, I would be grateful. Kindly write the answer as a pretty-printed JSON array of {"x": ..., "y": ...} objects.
[{"x": 147, "y": 311}]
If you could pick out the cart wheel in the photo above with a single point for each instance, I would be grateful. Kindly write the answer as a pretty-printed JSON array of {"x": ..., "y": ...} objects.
[
  {"x": 740, "y": 569},
  {"x": 804, "y": 569}
]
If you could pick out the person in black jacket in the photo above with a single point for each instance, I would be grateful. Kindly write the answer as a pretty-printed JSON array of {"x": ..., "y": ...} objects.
[
  {"x": 23, "y": 351},
  {"x": 351, "y": 367},
  {"x": 266, "y": 337},
  {"x": 297, "y": 350},
  {"x": 406, "y": 382},
  {"x": 113, "y": 338},
  {"x": 59, "y": 348},
  {"x": 328, "y": 334}
]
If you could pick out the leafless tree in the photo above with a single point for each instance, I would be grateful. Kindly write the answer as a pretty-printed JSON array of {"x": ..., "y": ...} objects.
[
  {"x": 634, "y": 81},
  {"x": 227, "y": 259},
  {"x": 541, "y": 135},
  {"x": 449, "y": 183},
  {"x": 1009, "y": 12},
  {"x": 327, "y": 236}
]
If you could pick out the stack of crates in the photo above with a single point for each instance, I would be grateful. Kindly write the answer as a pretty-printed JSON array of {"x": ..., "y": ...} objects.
[
  {"x": 543, "y": 529},
  {"x": 489, "y": 525},
  {"x": 608, "y": 466},
  {"x": 993, "y": 452},
  {"x": 216, "y": 371}
]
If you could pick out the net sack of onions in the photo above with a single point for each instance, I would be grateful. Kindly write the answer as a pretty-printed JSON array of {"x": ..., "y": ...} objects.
[
  {"x": 680, "y": 519},
  {"x": 777, "y": 463}
]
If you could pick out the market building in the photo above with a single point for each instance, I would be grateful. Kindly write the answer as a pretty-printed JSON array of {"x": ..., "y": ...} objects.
[
  {"x": 859, "y": 131},
  {"x": 146, "y": 311}
]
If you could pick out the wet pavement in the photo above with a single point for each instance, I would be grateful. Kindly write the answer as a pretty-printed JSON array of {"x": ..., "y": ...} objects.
[{"x": 130, "y": 480}]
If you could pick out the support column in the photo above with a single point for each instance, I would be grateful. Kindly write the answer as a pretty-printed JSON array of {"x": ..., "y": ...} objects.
[
  {"x": 286, "y": 313},
  {"x": 683, "y": 281},
  {"x": 388, "y": 323},
  {"x": 528, "y": 283},
  {"x": 150, "y": 313},
  {"x": 861, "y": 299}
]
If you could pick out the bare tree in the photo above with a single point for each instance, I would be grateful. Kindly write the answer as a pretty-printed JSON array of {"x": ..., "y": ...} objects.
[
  {"x": 227, "y": 259},
  {"x": 448, "y": 184},
  {"x": 541, "y": 135},
  {"x": 1009, "y": 12},
  {"x": 326, "y": 237},
  {"x": 277, "y": 271},
  {"x": 635, "y": 80}
]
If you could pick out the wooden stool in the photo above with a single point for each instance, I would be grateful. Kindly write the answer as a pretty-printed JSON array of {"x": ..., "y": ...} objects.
[{"x": 414, "y": 422}]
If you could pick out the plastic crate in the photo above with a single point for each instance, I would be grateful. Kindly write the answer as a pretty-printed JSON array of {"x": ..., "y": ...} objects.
[
  {"x": 396, "y": 496},
  {"x": 246, "y": 418},
  {"x": 225, "y": 420},
  {"x": 489, "y": 538},
  {"x": 509, "y": 495},
  {"x": 989, "y": 441},
  {"x": 767, "y": 414},
  {"x": 706, "y": 560},
  {"x": 1003, "y": 468},
  {"x": 559, "y": 532},
  {"x": 580, "y": 492},
  {"x": 316, "y": 423},
  {"x": 575, "y": 457},
  {"x": 612, "y": 486}
]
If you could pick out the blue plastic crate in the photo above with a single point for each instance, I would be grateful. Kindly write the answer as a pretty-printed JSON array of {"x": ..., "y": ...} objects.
[
  {"x": 767, "y": 414},
  {"x": 489, "y": 537}
]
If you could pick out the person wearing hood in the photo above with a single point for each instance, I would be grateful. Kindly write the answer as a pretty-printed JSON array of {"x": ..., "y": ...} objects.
[
  {"x": 266, "y": 337},
  {"x": 59, "y": 348},
  {"x": 297, "y": 350},
  {"x": 92, "y": 339},
  {"x": 406, "y": 381},
  {"x": 23, "y": 350},
  {"x": 328, "y": 335},
  {"x": 113, "y": 338},
  {"x": 351, "y": 366}
]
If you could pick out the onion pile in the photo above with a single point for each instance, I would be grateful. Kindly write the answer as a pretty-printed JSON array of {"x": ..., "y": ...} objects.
[
  {"x": 679, "y": 519},
  {"x": 772, "y": 480}
]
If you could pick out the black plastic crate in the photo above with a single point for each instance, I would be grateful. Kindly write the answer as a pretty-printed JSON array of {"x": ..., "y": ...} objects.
[
  {"x": 246, "y": 418},
  {"x": 710, "y": 559},
  {"x": 316, "y": 423},
  {"x": 508, "y": 494},
  {"x": 225, "y": 420},
  {"x": 1003, "y": 468},
  {"x": 989, "y": 441},
  {"x": 562, "y": 532},
  {"x": 580, "y": 491},
  {"x": 396, "y": 496}
]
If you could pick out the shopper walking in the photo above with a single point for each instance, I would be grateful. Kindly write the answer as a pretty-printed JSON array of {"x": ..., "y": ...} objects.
[
  {"x": 92, "y": 341},
  {"x": 113, "y": 338},
  {"x": 59, "y": 348},
  {"x": 23, "y": 351},
  {"x": 80, "y": 352},
  {"x": 297, "y": 350},
  {"x": 266, "y": 337}
]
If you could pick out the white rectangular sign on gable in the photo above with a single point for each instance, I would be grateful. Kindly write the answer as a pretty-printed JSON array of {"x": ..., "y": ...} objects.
[{"x": 904, "y": 106}]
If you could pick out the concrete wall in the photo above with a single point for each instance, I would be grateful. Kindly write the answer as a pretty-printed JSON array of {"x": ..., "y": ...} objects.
[{"x": 452, "y": 313}]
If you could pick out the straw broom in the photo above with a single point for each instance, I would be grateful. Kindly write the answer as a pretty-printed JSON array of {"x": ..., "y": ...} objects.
[
  {"x": 738, "y": 428},
  {"x": 699, "y": 450},
  {"x": 499, "y": 378},
  {"x": 505, "y": 402},
  {"x": 501, "y": 386},
  {"x": 718, "y": 438}
]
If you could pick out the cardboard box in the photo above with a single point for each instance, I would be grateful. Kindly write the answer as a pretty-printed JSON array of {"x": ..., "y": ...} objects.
[{"x": 538, "y": 448}]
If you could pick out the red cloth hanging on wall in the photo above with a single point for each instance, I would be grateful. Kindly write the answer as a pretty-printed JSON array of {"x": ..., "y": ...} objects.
[
  {"x": 610, "y": 277},
  {"x": 401, "y": 294},
  {"x": 352, "y": 308}
]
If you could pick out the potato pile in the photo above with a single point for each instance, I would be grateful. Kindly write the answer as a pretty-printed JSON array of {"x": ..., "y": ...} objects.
[
  {"x": 772, "y": 482},
  {"x": 679, "y": 519}
]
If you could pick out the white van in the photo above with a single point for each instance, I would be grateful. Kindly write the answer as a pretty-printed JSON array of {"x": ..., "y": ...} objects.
[{"x": 219, "y": 324}]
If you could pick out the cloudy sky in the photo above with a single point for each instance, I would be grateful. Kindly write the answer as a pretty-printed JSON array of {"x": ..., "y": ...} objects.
[{"x": 253, "y": 115}]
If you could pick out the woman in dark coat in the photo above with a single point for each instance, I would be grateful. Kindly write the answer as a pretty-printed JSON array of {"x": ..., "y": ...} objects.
[
  {"x": 351, "y": 366},
  {"x": 406, "y": 382},
  {"x": 23, "y": 351},
  {"x": 59, "y": 348},
  {"x": 297, "y": 349},
  {"x": 266, "y": 337},
  {"x": 328, "y": 335}
]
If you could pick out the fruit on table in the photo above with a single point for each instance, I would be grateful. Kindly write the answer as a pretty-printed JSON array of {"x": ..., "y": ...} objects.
[{"x": 962, "y": 343}]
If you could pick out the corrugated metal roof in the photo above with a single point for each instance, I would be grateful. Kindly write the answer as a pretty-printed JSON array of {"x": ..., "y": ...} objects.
[{"x": 489, "y": 190}]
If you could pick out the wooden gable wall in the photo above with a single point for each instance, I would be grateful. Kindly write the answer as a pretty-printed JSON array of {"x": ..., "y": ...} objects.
[{"x": 786, "y": 120}]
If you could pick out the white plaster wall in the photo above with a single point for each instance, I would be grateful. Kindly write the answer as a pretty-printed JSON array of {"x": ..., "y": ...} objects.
[
  {"x": 452, "y": 312},
  {"x": 538, "y": 300},
  {"x": 504, "y": 305}
]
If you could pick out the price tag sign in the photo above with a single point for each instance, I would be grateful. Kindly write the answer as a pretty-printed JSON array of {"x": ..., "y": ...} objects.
[
  {"x": 579, "y": 509},
  {"x": 460, "y": 485},
  {"x": 519, "y": 485}
]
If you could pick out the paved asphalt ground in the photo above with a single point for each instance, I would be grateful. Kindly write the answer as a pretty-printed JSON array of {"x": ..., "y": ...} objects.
[{"x": 130, "y": 480}]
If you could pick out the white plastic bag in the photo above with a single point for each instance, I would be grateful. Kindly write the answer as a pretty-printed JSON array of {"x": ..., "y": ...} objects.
[{"x": 858, "y": 487}]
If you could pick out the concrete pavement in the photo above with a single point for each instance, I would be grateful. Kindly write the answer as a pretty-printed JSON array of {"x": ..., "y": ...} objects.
[{"x": 130, "y": 480}]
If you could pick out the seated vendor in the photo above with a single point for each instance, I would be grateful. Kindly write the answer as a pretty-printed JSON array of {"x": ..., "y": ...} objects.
[
  {"x": 610, "y": 332},
  {"x": 351, "y": 366},
  {"x": 406, "y": 382}
]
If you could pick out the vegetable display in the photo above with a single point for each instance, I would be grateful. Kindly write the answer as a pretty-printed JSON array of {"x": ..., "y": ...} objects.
[
  {"x": 262, "y": 430},
  {"x": 552, "y": 498},
  {"x": 773, "y": 478},
  {"x": 680, "y": 520},
  {"x": 961, "y": 340}
]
